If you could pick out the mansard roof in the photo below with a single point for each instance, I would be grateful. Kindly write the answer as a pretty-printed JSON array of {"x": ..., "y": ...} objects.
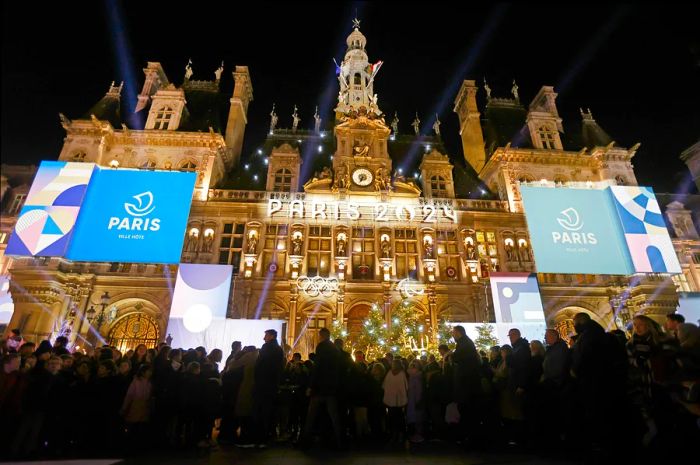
[
  {"x": 505, "y": 121},
  {"x": 108, "y": 108},
  {"x": 206, "y": 108}
]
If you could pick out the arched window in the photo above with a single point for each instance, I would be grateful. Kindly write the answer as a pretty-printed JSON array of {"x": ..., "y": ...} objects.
[
  {"x": 620, "y": 181},
  {"x": 438, "y": 187},
  {"x": 148, "y": 164},
  {"x": 547, "y": 136},
  {"x": 357, "y": 79},
  {"x": 188, "y": 165},
  {"x": 283, "y": 181},
  {"x": 134, "y": 329},
  {"x": 79, "y": 157},
  {"x": 163, "y": 117}
]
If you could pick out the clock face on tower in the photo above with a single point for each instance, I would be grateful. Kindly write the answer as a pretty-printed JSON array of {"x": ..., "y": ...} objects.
[{"x": 362, "y": 177}]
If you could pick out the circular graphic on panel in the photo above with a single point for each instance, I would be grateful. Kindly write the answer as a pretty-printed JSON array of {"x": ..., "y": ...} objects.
[{"x": 197, "y": 318}]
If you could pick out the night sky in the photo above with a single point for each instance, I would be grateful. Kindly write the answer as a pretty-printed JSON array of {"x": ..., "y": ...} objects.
[{"x": 636, "y": 67}]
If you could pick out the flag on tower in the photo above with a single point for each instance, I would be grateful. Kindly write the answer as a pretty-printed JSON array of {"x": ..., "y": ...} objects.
[{"x": 374, "y": 69}]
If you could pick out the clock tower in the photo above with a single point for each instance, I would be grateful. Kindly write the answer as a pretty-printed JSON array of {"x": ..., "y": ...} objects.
[{"x": 361, "y": 163}]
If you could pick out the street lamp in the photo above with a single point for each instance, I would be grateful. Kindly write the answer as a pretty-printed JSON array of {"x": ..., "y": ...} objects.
[{"x": 98, "y": 319}]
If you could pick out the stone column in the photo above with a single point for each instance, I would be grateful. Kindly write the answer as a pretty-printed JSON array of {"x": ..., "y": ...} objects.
[
  {"x": 694, "y": 272},
  {"x": 432, "y": 310},
  {"x": 292, "y": 319}
]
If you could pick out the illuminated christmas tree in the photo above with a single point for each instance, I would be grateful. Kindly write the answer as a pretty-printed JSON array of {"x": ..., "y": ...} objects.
[
  {"x": 408, "y": 334},
  {"x": 486, "y": 338},
  {"x": 373, "y": 338}
]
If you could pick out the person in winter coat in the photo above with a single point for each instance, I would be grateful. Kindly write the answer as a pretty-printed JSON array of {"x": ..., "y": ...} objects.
[
  {"x": 136, "y": 408},
  {"x": 395, "y": 398},
  {"x": 268, "y": 374},
  {"x": 416, "y": 402},
  {"x": 244, "y": 399},
  {"x": 323, "y": 388},
  {"x": 466, "y": 382}
]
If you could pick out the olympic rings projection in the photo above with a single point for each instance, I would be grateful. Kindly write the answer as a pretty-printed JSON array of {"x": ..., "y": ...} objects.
[{"x": 318, "y": 285}]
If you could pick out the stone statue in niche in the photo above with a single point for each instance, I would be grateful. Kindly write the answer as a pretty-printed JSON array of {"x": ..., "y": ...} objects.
[
  {"x": 340, "y": 247},
  {"x": 207, "y": 243},
  {"x": 252, "y": 243},
  {"x": 471, "y": 251},
  {"x": 524, "y": 253},
  {"x": 296, "y": 245},
  {"x": 386, "y": 248},
  {"x": 509, "y": 252},
  {"x": 428, "y": 247}
]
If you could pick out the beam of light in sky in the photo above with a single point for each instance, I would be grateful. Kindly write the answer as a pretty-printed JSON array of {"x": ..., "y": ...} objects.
[
  {"x": 445, "y": 101},
  {"x": 124, "y": 61},
  {"x": 594, "y": 44}
]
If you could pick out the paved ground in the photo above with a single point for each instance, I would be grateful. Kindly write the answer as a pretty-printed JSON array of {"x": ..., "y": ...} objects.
[{"x": 429, "y": 454}]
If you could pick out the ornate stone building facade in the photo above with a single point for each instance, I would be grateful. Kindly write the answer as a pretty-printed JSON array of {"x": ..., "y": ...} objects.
[{"x": 321, "y": 224}]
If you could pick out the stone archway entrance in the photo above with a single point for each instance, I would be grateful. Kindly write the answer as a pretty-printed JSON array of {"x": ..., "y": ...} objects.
[
  {"x": 133, "y": 329},
  {"x": 356, "y": 318}
]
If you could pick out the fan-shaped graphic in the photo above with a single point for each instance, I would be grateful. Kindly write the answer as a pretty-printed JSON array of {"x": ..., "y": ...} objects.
[
  {"x": 647, "y": 238},
  {"x": 47, "y": 218}
]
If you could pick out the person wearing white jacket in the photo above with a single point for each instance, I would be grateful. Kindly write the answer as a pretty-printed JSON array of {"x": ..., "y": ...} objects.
[{"x": 395, "y": 398}]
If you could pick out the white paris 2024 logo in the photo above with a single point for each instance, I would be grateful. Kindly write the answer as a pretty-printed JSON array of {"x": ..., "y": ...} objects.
[
  {"x": 571, "y": 221},
  {"x": 135, "y": 222}
]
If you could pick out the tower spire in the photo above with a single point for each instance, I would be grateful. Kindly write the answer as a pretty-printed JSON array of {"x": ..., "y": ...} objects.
[{"x": 356, "y": 75}]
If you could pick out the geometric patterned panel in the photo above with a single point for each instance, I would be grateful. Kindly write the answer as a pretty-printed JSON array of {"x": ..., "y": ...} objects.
[
  {"x": 648, "y": 241},
  {"x": 46, "y": 221}
]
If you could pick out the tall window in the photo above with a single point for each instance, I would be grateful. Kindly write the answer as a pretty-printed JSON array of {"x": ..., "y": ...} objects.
[
  {"x": 448, "y": 255},
  {"x": 488, "y": 250},
  {"x": 163, "y": 117},
  {"x": 283, "y": 181},
  {"x": 275, "y": 251},
  {"x": 438, "y": 186},
  {"x": 319, "y": 251},
  {"x": 17, "y": 203},
  {"x": 188, "y": 165},
  {"x": 406, "y": 252},
  {"x": 363, "y": 253},
  {"x": 79, "y": 157},
  {"x": 547, "y": 136},
  {"x": 231, "y": 245}
]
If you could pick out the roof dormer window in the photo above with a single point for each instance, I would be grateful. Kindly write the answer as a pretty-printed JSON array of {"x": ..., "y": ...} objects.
[
  {"x": 163, "y": 117},
  {"x": 547, "y": 137}
]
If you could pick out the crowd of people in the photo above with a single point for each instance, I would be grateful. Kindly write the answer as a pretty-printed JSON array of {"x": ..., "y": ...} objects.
[{"x": 601, "y": 393}]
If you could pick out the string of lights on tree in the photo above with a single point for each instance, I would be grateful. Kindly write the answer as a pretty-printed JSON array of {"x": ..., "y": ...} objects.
[{"x": 407, "y": 335}]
